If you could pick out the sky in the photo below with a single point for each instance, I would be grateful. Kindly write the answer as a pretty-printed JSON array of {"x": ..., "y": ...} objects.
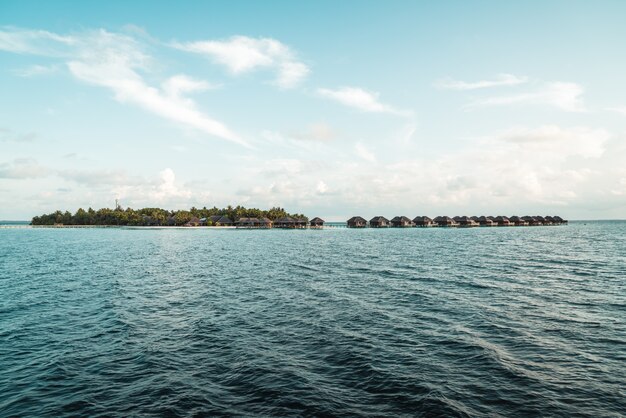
[{"x": 327, "y": 108}]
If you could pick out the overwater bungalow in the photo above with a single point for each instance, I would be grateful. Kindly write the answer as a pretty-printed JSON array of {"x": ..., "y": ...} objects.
[
  {"x": 550, "y": 220},
  {"x": 379, "y": 222},
  {"x": 248, "y": 223},
  {"x": 559, "y": 220},
  {"x": 194, "y": 221},
  {"x": 502, "y": 221},
  {"x": 265, "y": 223},
  {"x": 316, "y": 223},
  {"x": 222, "y": 221},
  {"x": 445, "y": 221},
  {"x": 423, "y": 222},
  {"x": 213, "y": 219},
  {"x": 465, "y": 221},
  {"x": 401, "y": 222},
  {"x": 357, "y": 222},
  {"x": 517, "y": 221},
  {"x": 540, "y": 219},
  {"x": 486, "y": 221},
  {"x": 532, "y": 221},
  {"x": 285, "y": 222},
  {"x": 300, "y": 223}
]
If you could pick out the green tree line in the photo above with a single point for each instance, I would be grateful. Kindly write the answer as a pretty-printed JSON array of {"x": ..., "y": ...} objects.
[{"x": 154, "y": 216}]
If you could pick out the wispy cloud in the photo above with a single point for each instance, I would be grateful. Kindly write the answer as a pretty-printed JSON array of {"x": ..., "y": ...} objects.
[
  {"x": 360, "y": 99},
  {"x": 565, "y": 96},
  {"x": 315, "y": 132},
  {"x": 36, "y": 70},
  {"x": 500, "y": 80},
  {"x": 364, "y": 152},
  {"x": 23, "y": 168},
  {"x": 8, "y": 135},
  {"x": 618, "y": 109},
  {"x": 115, "y": 61},
  {"x": 241, "y": 54}
]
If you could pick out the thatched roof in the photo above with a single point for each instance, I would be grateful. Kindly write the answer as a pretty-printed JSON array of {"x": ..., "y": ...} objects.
[
  {"x": 284, "y": 220},
  {"x": 316, "y": 220},
  {"x": 400, "y": 219},
  {"x": 265, "y": 220},
  {"x": 216, "y": 218},
  {"x": 357, "y": 219},
  {"x": 379, "y": 219},
  {"x": 422, "y": 219}
]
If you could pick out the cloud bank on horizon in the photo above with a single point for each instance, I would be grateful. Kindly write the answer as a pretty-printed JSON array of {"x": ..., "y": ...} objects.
[{"x": 97, "y": 114}]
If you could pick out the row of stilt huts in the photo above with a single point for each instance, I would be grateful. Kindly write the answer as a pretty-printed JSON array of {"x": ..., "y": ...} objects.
[{"x": 457, "y": 221}]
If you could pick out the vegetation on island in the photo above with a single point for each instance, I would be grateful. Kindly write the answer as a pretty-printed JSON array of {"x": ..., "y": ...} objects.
[{"x": 155, "y": 216}]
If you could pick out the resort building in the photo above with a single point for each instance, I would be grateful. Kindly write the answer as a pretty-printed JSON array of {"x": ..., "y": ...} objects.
[
  {"x": 423, "y": 221},
  {"x": 401, "y": 222},
  {"x": 379, "y": 222},
  {"x": 194, "y": 221},
  {"x": 248, "y": 223},
  {"x": 486, "y": 221},
  {"x": 518, "y": 221},
  {"x": 316, "y": 223},
  {"x": 465, "y": 221},
  {"x": 502, "y": 221},
  {"x": 265, "y": 223},
  {"x": 357, "y": 222},
  {"x": 285, "y": 222},
  {"x": 300, "y": 223},
  {"x": 445, "y": 221}
]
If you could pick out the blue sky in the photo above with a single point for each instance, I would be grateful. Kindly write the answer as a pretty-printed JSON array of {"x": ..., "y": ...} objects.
[{"x": 328, "y": 108}]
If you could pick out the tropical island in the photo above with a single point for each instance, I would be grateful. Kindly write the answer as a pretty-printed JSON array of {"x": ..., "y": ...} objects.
[{"x": 229, "y": 216}]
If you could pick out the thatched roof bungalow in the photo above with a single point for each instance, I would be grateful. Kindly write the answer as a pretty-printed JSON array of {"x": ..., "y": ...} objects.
[
  {"x": 503, "y": 221},
  {"x": 445, "y": 221},
  {"x": 316, "y": 222},
  {"x": 301, "y": 222},
  {"x": 465, "y": 221},
  {"x": 517, "y": 221},
  {"x": 550, "y": 220},
  {"x": 357, "y": 222},
  {"x": 486, "y": 221},
  {"x": 284, "y": 222},
  {"x": 194, "y": 221},
  {"x": 532, "y": 221},
  {"x": 379, "y": 222},
  {"x": 248, "y": 223},
  {"x": 541, "y": 219},
  {"x": 401, "y": 222},
  {"x": 423, "y": 221},
  {"x": 265, "y": 222},
  {"x": 223, "y": 221},
  {"x": 559, "y": 220}
]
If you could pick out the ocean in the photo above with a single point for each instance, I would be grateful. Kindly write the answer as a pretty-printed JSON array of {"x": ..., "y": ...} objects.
[{"x": 518, "y": 321}]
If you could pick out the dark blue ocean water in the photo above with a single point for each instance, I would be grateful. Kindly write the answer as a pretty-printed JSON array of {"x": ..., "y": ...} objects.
[{"x": 436, "y": 322}]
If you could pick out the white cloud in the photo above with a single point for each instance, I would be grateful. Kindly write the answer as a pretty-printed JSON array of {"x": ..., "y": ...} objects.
[
  {"x": 365, "y": 153},
  {"x": 36, "y": 42},
  {"x": 619, "y": 109},
  {"x": 241, "y": 54},
  {"x": 23, "y": 168},
  {"x": 36, "y": 70},
  {"x": 315, "y": 132},
  {"x": 358, "y": 98},
  {"x": 565, "y": 96},
  {"x": 500, "y": 81},
  {"x": 114, "y": 61}
]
